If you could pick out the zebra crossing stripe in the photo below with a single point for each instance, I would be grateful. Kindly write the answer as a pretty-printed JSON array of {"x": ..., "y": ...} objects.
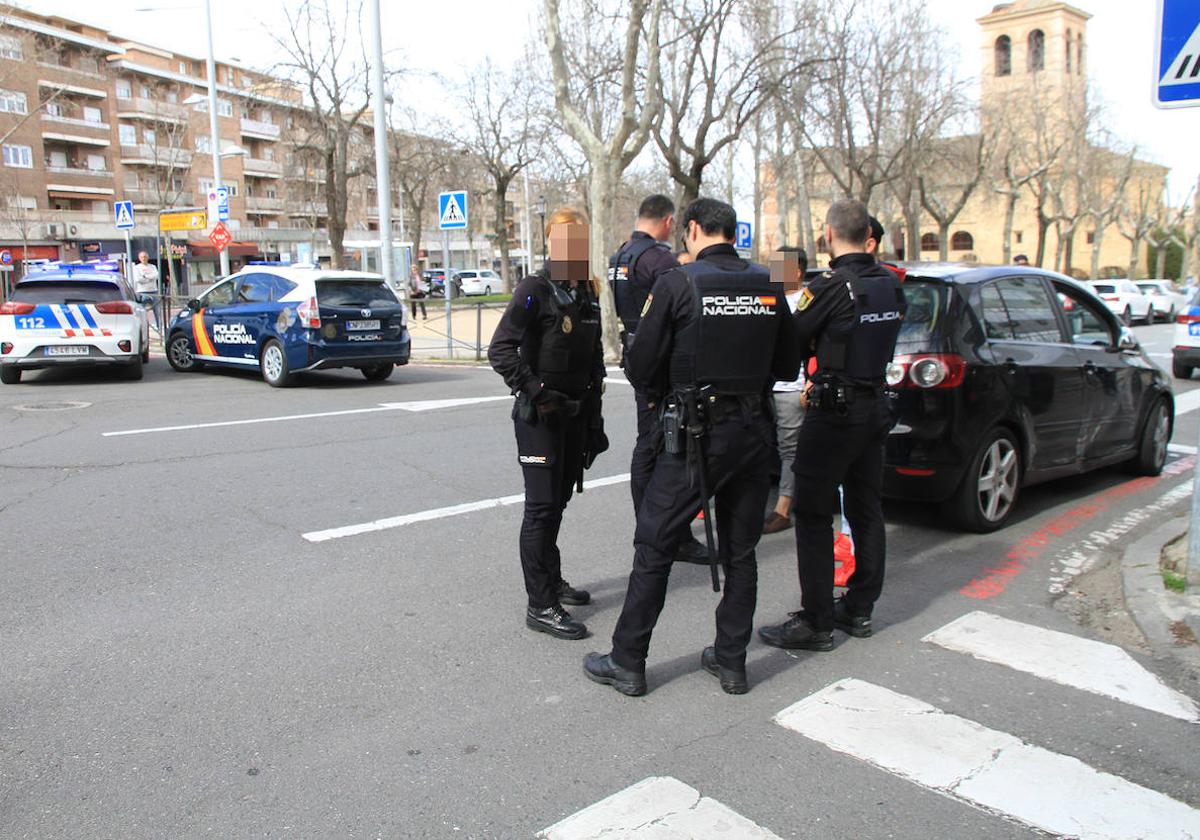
[
  {"x": 985, "y": 767},
  {"x": 1062, "y": 658},
  {"x": 660, "y": 807}
]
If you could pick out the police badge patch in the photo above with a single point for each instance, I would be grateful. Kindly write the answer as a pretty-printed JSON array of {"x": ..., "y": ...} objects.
[
  {"x": 806, "y": 297},
  {"x": 567, "y": 326}
]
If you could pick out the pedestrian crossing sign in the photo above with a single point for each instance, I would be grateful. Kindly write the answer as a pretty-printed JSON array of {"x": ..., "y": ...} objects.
[
  {"x": 123, "y": 210},
  {"x": 1177, "y": 54},
  {"x": 452, "y": 210}
]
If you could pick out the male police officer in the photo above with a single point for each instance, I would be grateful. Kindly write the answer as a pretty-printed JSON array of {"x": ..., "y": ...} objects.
[
  {"x": 713, "y": 336},
  {"x": 849, "y": 319},
  {"x": 632, "y": 273}
]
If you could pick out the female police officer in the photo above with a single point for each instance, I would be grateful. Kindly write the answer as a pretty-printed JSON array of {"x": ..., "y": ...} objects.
[{"x": 547, "y": 348}]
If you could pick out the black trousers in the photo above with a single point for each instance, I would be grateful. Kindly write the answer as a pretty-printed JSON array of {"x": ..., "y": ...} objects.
[
  {"x": 840, "y": 449},
  {"x": 645, "y": 449},
  {"x": 414, "y": 303},
  {"x": 737, "y": 461},
  {"x": 550, "y": 451}
]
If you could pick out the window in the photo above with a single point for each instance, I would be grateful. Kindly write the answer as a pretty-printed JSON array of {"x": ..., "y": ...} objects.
[
  {"x": 1085, "y": 321},
  {"x": 146, "y": 93},
  {"x": 1030, "y": 309},
  {"x": 203, "y": 144},
  {"x": 929, "y": 242},
  {"x": 183, "y": 68},
  {"x": 224, "y": 107},
  {"x": 130, "y": 181},
  {"x": 96, "y": 163},
  {"x": 995, "y": 317},
  {"x": 1003, "y": 52},
  {"x": 93, "y": 115},
  {"x": 1091, "y": 237},
  {"x": 128, "y": 134},
  {"x": 1079, "y": 55},
  {"x": 22, "y": 202},
  {"x": 232, "y": 186},
  {"x": 55, "y": 109},
  {"x": 124, "y": 89},
  {"x": 219, "y": 295},
  {"x": 1037, "y": 51},
  {"x": 1070, "y": 38},
  {"x": 172, "y": 97},
  {"x": 1019, "y": 236},
  {"x": 962, "y": 241},
  {"x": 149, "y": 137},
  {"x": 101, "y": 210},
  {"x": 58, "y": 159},
  {"x": 10, "y": 47},
  {"x": 255, "y": 288},
  {"x": 89, "y": 64},
  {"x": 20, "y": 157},
  {"x": 12, "y": 102}
]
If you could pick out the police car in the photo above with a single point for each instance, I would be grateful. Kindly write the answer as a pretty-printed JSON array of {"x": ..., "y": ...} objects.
[
  {"x": 1185, "y": 351},
  {"x": 72, "y": 314},
  {"x": 285, "y": 320}
]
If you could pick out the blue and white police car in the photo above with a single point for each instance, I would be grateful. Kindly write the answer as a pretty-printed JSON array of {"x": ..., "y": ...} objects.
[
  {"x": 72, "y": 314},
  {"x": 285, "y": 320},
  {"x": 1185, "y": 349}
]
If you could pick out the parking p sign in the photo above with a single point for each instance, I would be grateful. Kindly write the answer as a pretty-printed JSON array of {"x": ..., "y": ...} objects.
[{"x": 1177, "y": 54}]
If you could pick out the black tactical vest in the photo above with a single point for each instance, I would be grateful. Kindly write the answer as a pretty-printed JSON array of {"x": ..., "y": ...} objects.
[
  {"x": 863, "y": 349},
  {"x": 567, "y": 345},
  {"x": 730, "y": 342},
  {"x": 629, "y": 296}
]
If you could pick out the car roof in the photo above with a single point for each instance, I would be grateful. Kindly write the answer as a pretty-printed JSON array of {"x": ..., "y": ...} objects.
[
  {"x": 304, "y": 275},
  {"x": 59, "y": 274},
  {"x": 971, "y": 273}
]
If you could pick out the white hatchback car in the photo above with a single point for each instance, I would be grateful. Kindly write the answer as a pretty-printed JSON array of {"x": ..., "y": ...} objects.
[
  {"x": 1124, "y": 299},
  {"x": 481, "y": 282},
  {"x": 1185, "y": 349},
  {"x": 1165, "y": 298},
  {"x": 72, "y": 315}
]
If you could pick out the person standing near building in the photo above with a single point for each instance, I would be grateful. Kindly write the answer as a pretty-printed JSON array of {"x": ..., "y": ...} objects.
[
  {"x": 849, "y": 318},
  {"x": 713, "y": 336},
  {"x": 416, "y": 293},
  {"x": 547, "y": 348},
  {"x": 632, "y": 273},
  {"x": 146, "y": 285}
]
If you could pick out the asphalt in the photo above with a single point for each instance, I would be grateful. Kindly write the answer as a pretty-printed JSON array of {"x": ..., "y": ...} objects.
[{"x": 179, "y": 661}]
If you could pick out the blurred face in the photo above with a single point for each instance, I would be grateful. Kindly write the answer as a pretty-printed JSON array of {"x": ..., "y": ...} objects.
[
  {"x": 568, "y": 245},
  {"x": 785, "y": 269},
  {"x": 143, "y": 257}
]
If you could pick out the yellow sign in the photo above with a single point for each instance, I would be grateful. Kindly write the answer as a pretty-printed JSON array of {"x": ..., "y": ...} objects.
[{"x": 187, "y": 220}]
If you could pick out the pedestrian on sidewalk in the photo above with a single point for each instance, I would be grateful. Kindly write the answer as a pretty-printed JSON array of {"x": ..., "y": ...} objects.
[
  {"x": 146, "y": 286},
  {"x": 416, "y": 294}
]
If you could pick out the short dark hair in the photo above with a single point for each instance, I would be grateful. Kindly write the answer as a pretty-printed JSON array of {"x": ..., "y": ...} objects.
[
  {"x": 712, "y": 216},
  {"x": 850, "y": 221},
  {"x": 656, "y": 207},
  {"x": 796, "y": 249},
  {"x": 876, "y": 229}
]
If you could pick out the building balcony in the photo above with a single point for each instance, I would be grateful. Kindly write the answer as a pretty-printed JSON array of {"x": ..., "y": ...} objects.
[
  {"x": 151, "y": 109},
  {"x": 75, "y": 122},
  {"x": 256, "y": 167},
  {"x": 146, "y": 155},
  {"x": 82, "y": 171},
  {"x": 373, "y": 212},
  {"x": 259, "y": 130},
  {"x": 307, "y": 208},
  {"x": 262, "y": 204},
  {"x": 148, "y": 197},
  {"x": 74, "y": 71}
]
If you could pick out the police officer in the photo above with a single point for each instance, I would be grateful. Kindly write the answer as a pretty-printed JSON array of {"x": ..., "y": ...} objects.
[
  {"x": 547, "y": 348},
  {"x": 632, "y": 273},
  {"x": 849, "y": 318},
  {"x": 713, "y": 336}
]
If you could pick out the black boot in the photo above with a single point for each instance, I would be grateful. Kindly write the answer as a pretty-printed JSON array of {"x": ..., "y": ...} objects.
[
  {"x": 733, "y": 680},
  {"x": 571, "y": 596},
  {"x": 858, "y": 626},
  {"x": 601, "y": 668},
  {"x": 796, "y": 634},
  {"x": 556, "y": 621},
  {"x": 692, "y": 551}
]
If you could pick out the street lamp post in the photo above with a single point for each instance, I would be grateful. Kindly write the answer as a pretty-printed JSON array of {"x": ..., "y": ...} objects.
[
  {"x": 213, "y": 129},
  {"x": 542, "y": 216}
]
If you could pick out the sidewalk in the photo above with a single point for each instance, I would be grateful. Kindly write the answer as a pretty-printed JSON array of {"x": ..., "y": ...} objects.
[
  {"x": 1170, "y": 621},
  {"x": 471, "y": 325}
]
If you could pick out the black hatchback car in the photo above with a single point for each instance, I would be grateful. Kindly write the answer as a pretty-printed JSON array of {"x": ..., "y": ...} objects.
[{"x": 1011, "y": 376}]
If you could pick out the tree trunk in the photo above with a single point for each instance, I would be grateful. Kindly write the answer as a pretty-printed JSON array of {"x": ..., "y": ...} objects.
[
  {"x": 1160, "y": 266},
  {"x": 1060, "y": 243},
  {"x": 1010, "y": 211},
  {"x": 602, "y": 182},
  {"x": 1069, "y": 253},
  {"x": 804, "y": 210},
  {"x": 912, "y": 229},
  {"x": 501, "y": 231},
  {"x": 1135, "y": 247},
  {"x": 1043, "y": 228},
  {"x": 944, "y": 241},
  {"x": 335, "y": 208},
  {"x": 1097, "y": 241},
  {"x": 757, "y": 237}
]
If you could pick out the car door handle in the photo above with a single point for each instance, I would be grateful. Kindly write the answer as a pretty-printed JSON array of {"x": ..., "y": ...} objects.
[
  {"x": 1090, "y": 367},
  {"x": 1011, "y": 365}
]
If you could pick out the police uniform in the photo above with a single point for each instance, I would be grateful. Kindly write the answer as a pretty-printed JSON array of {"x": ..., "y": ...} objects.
[
  {"x": 632, "y": 272},
  {"x": 849, "y": 318},
  {"x": 717, "y": 328},
  {"x": 547, "y": 349}
]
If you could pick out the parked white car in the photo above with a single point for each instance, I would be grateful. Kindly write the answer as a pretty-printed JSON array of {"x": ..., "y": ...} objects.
[
  {"x": 1165, "y": 298},
  {"x": 1185, "y": 349},
  {"x": 1124, "y": 299},
  {"x": 481, "y": 282}
]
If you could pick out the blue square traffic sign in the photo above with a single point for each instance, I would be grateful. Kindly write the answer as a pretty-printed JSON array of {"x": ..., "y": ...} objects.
[
  {"x": 452, "y": 210},
  {"x": 744, "y": 235},
  {"x": 123, "y": 213},
  {"x": 1177, "y": 54}
]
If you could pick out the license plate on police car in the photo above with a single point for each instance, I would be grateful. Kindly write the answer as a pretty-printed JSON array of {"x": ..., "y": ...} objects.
[
  {"x": 68, "y": 350},
  {"x": 362, "y": 325}
]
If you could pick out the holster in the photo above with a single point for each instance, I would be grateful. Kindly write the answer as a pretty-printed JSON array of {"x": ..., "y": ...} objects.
[{"x": 525, "y": 409}]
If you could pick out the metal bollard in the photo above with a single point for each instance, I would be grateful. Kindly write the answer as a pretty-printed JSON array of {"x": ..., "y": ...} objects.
[{"x": 478, "y": 332}]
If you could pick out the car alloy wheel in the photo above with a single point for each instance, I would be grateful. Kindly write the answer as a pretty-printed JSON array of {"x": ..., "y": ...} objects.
[
  {"x": 998, "y": 476},
  {"x": 179, "y": 353},
  {"x": 1162, "y": 434}
]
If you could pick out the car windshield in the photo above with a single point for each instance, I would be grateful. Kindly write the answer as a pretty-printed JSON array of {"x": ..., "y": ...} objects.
[
  {"x": 1104, "y": 288},
  {"x": 467, "y": 274},
  {"x": 67, "y": 291},
  {"x": 926, "y": 306},
  {"x": 355, "y": 293}
]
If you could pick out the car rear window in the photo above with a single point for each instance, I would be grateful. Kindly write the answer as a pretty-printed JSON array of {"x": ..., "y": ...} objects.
[
  {"x": 926, "y": 306},
  {"x": 1104, "y": 288},
  {"x": 355, "y": 293},
  {"x": 67, "y": 291}
]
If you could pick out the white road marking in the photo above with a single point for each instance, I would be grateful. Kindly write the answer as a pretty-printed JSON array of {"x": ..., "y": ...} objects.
[
  {"x": 991, "y": 769},
  {"x": 1062, "y": 658},
  {"x": 441, "y": 513},
  {"x": 422, "y": 405},
  {"x": 1185, "y": 403},
  {"x": 1181, "y": 449},
  {"x": 661, "y": 808}
]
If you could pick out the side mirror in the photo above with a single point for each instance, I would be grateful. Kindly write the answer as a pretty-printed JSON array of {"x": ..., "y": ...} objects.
[
  {"x": 1128, "y": 342},
  {"x": 193, "y": 305}
]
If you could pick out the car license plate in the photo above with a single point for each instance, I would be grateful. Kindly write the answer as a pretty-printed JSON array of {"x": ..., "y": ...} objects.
[
  {"x": 1194, "y": 329},
  {"x": 68, "y": 350},
  {"x": 362, "y": 325}
]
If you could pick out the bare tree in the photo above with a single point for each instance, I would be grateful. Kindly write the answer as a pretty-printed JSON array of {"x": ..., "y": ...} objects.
[
  {"x": 420, "y": 169},
  {"x": 597, "y": 98},
  {"x": 317, "y": 43},
  {"x": 32, "y": 49},
  {"x": 1138, "y": 218},
  {"x": 955, "y": 170}
]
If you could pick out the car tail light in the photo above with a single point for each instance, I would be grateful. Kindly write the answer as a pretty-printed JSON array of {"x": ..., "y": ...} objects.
[
  {"x": 913, "y": 471},
  {"x": 124, "y": 346},
  {"x": 5, "y": 348},
  {"x": 15, "y": 307},
  {"x": 309, "y": 313},
  {"x": 927, "y": 371},
  {"x": 1109, "y": 297},
  {"x": 1181, "y": 318},
  {"x": 114, "y": 307}
]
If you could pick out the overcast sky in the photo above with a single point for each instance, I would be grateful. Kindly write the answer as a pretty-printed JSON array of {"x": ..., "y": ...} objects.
[{"x": 447, "y": 36}]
